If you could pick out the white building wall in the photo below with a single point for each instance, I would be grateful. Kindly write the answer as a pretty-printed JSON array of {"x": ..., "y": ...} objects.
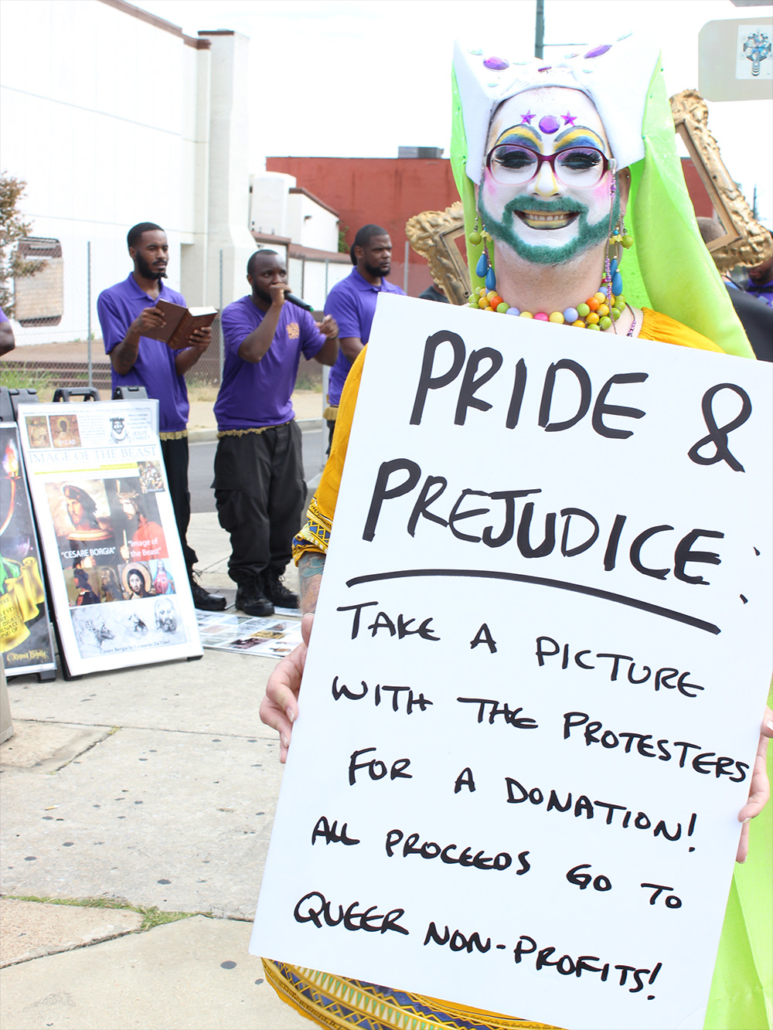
[
  {"x": 275, "y": 209},
  {"x": 268, "y": 202},
  {"x": 195, "y": 176},
  {"x": 310, "y": 224},
  {"x": 313, "y": 279},
  {"x": 230, "y": 241},
  {"x": 107, "y": 118}
]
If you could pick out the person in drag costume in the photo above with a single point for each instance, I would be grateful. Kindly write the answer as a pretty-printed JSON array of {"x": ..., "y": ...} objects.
[{"x": 576, "y": 212}]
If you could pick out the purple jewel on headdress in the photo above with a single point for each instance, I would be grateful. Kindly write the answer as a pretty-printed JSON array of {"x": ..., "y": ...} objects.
[
  {"x": 597, "y": 51},
  {"x": 497, "y": 64},
  {"x": 546, "y": 68},
  {"x": 549, "y": 124}
]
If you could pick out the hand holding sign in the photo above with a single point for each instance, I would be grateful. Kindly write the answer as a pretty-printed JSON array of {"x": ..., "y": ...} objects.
[
  {"x": 279, "y": 707},
  {"x": 759, "y": 788}
]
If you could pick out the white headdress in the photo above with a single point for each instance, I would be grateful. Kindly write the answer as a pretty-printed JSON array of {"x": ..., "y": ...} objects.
[
  {"x": 624, "y": 81},
  {"x": 616, "y": 77}
]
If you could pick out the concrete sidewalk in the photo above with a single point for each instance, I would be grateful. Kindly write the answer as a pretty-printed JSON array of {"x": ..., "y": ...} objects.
[{"x": 153, "y": 789}]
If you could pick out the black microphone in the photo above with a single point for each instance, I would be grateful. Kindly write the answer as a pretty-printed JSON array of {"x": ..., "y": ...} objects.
[{"x": 298, "y": 302}]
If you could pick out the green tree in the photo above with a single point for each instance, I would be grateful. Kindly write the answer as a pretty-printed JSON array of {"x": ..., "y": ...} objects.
[{"x": 12, "y": 229}]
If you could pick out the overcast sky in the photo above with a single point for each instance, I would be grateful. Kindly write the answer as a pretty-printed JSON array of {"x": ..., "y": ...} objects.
[{"x": 357, "y": 78}]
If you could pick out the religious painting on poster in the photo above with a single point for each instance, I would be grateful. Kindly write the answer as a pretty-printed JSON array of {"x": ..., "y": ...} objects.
[
  {"x": 118, "y": 579},
  {"x": 539, "y": 662},
  {"x": 25, "y": 631}
]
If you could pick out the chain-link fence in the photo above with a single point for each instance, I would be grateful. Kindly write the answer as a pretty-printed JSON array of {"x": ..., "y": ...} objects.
[
  {"x": 58, "y": 335},
  {"x": 58, "y": 338}
]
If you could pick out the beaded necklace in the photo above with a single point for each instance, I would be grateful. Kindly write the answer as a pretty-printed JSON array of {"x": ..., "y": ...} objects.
[{"x": 597, "y": 312}]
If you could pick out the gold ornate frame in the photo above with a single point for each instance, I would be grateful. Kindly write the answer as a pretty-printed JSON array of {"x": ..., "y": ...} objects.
[
  {"x": 433, "y": 234},
  {"x": 745, "y": 242}
]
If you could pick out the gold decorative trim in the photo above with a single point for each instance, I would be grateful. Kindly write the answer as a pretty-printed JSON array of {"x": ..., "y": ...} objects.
[
  {"x": 745, "y": 241},
  {"x": 246, "y": 432},
  {"x": 179, "y": 435},
  {"x": 433, "y": 234},
  {"x": 339, "y": 1003},
  {"x": 315, "y": 534}
]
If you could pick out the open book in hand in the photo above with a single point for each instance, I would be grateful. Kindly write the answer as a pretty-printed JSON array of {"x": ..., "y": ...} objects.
[{"x": 179, "y": 323}]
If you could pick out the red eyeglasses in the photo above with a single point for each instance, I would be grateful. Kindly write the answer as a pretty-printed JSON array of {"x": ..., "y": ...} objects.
[{"x": 580, "y": 167}]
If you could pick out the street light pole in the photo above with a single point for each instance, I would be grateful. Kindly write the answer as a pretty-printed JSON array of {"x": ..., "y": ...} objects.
[{"x": 539, "y": 30}]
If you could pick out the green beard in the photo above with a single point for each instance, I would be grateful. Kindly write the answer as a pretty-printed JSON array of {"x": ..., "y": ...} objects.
[{"x": 587, "y": 235}]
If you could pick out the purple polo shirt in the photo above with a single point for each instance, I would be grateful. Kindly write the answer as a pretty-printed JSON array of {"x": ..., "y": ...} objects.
[
  {"x": 762, "y": 292},
  {"x": 258, "y": 394},
  {"x": 352, "y": 303},
  {"x": 3, "y": 316},
  {"x": 154, "y": 368}
]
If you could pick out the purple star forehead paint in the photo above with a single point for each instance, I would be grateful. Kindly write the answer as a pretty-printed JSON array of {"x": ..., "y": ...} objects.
[
  {"x": 597, "y": 51},
  {"x": 496, "y": 64},
  {"x": 526, "y": 119},
  {"x": 549, "y": 124},
  {"x": 569, "y": 118}
]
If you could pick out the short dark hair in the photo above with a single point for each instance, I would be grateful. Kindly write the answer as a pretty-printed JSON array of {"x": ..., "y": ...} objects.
[
  {"x": 253, "y": 256},
  {"x": 134, "y": 235},
  {"x": 710, "y": 229},
  {"x": 362, "y": 237}
]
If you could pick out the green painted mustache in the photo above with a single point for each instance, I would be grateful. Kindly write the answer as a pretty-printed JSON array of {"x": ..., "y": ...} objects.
[
  {"x": 545, "y": 206},
  {"x": 583, "y": 235}
]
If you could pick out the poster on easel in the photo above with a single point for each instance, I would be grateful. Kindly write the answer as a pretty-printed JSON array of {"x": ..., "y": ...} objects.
[
  {"x": 119, "y": 585},
  {"x": 26, "y": 645}
]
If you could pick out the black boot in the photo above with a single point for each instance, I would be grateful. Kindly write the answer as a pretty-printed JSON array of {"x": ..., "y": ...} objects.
[
  {"x": 275, "y": 589},
  {"x": 251, "y": 599},
  {"x": 202, "y": 599}
]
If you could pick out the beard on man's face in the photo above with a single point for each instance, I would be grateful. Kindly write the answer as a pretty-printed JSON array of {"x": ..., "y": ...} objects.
[
  {"x": 263, "y": 295},
  {"x": 147, "y": 271},
  {"x": 377, "y": 270}
]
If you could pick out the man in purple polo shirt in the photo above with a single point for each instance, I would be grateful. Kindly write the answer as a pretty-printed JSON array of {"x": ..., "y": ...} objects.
[
  {"x": 7, "y": 342},
  {"x": 352, "y": 303},
  {"x": 259, "y": 487},
  {"x": 760, "y": 283},
  {"x": 125, "y": 310}
]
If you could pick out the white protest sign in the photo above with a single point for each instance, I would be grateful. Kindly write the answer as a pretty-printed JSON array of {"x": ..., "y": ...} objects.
[
  {"x": 119, "y": 585},
  {"x": 537, "y": 673}
]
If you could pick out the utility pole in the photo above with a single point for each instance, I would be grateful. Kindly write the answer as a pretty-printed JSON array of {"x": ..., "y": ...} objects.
[
  {"x": 754, "y": 202},
  {"x": 539, "y": 30}
]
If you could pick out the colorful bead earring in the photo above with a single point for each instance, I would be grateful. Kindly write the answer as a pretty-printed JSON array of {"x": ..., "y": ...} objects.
[
  {"x": 621, "y": 235},
  {"x": 491, "y": 279},
  {"x": 484, "y": 269},
  {"x": 475, "y": 237}
]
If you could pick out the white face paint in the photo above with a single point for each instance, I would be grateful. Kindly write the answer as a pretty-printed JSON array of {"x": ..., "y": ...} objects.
[{"x": 563, "y": 208}]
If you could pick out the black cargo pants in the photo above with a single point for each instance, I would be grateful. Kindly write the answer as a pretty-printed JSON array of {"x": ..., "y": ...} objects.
[
  {"x": 260, "y": 494},
  {"x": 175, "y": 454}
]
